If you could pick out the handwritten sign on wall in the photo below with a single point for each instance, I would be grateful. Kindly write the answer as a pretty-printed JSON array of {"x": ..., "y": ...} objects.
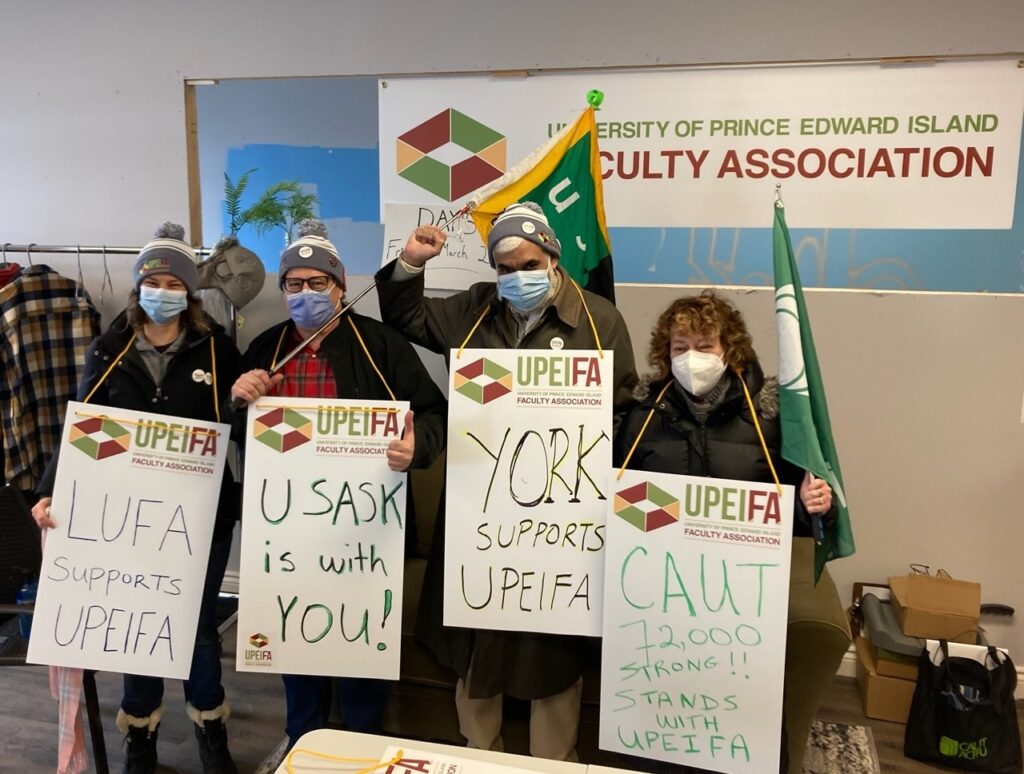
[
  {"x": 323, "y": 536},
  {"x": 529, "y": 448},
  {"x": 134, "y": 501},
  {"x": 695, "y": 607},
  {"x": 462, "y": 262}
]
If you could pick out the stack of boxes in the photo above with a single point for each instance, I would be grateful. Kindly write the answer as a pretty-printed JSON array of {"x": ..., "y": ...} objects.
[{"x": 924, "y": 607}]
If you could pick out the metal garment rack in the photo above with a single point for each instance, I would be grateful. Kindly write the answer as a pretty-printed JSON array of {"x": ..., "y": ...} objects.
[{"x": 32, "y": 247}]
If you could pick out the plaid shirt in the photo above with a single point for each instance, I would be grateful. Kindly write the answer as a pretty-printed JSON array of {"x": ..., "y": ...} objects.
[
  {"x": 47, "y": 329},
  {"x": 307, "y": 375}
]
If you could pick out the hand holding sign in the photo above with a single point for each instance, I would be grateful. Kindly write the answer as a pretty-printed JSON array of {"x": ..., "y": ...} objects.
[
  {"x": 253, "y": 385},
  {"x": 424, "y": 243},
  {"x": 41, "y": 513},
  {"x": 401, "y": 450}
]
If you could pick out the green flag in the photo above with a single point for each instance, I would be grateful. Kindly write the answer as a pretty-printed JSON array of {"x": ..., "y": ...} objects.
[
  {"x": 806, "y": 430},
  {"x": 563, "y": 176}
]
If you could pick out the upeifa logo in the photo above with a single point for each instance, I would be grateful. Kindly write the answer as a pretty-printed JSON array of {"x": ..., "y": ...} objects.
[
  {"x": 451, "y": 182},
  {"x": 483, "y": 381},
  {"x": 282, "y": 429},
  {"x": 258, "y": 653},
  {"x": 646, "y": 506},
  {"x": 100, "y": 437}
]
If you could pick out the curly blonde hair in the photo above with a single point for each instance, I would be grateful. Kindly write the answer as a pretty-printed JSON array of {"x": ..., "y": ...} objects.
[{"x": 703, "y": 315}]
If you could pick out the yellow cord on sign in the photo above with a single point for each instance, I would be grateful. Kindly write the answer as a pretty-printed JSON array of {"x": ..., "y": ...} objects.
[
  {"x": 369, "y": 357},
  {"x": 377, "y": 764},
  {"x": 586, "y": 309},
  {"x": 135, "y": 423},
  {"x": 472, "y": 330},
  {"x": 277, "y": 349},
  {"x": 334, "y": 409},
  {"x": 213, "y": 375},
  {"x": 643, "y": 429},
  {"x": 760, "y": 435},
  {"x": 111, "y": 368}
]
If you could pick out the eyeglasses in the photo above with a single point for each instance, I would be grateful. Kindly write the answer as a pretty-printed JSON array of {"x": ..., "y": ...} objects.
[{"x": 317, "y": 284}]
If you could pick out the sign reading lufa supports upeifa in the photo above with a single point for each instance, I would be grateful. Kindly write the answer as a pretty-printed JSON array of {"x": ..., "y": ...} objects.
[
  {"x": 323, "y": 539},
  {"x": 529, "y": 449},
  {"x": 135, "y": 499},
  {"x": 695, "y": 612}
]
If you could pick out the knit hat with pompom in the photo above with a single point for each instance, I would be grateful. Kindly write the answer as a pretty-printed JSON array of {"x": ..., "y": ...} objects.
[
  {"x": 312, "y": 250},
  {"x": 167, "y": 253}
]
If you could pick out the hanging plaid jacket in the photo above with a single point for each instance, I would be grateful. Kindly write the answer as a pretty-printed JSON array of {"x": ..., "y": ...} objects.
[{"x": 47, "y": 324}]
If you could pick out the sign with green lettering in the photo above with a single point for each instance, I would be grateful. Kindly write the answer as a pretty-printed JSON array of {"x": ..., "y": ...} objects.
[
  {"x": 696, "y": 596},
  {"x": 323, "y": 539}
]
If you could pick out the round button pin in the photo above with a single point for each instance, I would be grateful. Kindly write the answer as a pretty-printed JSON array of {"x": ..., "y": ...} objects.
[
  {"x": 557, "y": 342},
  {"x": 529, "y": 228},
  {"x": 208, "y": 378},
  {"x": 198, "y": 376},
  {"x": 305, "y": 251}
]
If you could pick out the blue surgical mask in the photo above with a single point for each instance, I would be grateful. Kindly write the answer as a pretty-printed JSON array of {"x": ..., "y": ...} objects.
[
  {"x": 310, "y": 308},
  {"x": 162, "y": 306},
  {"x": 525, "y": 290}
]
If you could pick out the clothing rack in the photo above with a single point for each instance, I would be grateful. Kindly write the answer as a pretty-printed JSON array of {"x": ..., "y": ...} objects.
[{"x": 32, "y": 247}]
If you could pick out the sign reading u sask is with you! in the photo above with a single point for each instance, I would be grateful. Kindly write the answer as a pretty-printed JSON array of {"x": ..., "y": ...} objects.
[
  {"x": 134, "y": 501},
  {"x": 529, "y": 449},
  {"x": 323, "y": 539}
]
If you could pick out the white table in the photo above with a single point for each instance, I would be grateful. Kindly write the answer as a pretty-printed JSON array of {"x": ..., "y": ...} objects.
[{"x": 354, "y": 745}]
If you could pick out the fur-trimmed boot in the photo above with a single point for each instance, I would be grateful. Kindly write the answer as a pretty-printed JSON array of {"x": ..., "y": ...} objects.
[
  {"x": 212, "y": 735},
  {"x": 140, "y": 733}
]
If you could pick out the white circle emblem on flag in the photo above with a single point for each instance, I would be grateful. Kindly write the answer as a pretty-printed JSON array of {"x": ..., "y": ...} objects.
[{"x": 792, "y": 373}]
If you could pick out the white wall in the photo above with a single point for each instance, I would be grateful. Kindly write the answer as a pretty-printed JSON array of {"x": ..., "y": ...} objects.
[{"x": 926, "y": 389}]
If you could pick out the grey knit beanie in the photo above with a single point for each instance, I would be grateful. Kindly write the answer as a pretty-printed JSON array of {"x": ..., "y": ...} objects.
[
  {"x": 527, "y": 221},
  {"x": 167, "y": 253},
  {"x": 312, "y": 250}
]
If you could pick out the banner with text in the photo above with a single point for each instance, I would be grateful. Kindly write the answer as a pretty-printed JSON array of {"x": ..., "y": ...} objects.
[
  {"x": 857, "y": 146},
  {"x": 695, "y": 620},
  {"x": 323, "y": 539},
  {"x": 464, "y": 258},
  {"x": 529, "y": 447},
  {"x": 134, "y": 501}
]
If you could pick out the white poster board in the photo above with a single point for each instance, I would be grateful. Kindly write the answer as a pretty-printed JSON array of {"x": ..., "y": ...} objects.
[
  {"x": 855, "y": 146},
  {"x": 323, "y": 539},
  {"x": 529, "y": 447},
  {"x": 462, "y": 262},
  {"x": 404, "y": 761},
  {"x": 134, "y": 501},
  {"x": 695, "y": 620}
]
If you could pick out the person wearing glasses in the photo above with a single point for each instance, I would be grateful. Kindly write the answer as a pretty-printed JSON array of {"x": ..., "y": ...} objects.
[{"x": 354, "y": 357}]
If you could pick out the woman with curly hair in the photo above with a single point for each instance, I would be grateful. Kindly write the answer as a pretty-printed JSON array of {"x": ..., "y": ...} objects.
[{"x": 710, "y": 411}]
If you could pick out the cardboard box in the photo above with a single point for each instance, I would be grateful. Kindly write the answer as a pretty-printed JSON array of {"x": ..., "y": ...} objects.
[
  {"x": 883, "y": 698},
  {"x": 889, "y": 664},
  {"x": 937, "y": 608}
]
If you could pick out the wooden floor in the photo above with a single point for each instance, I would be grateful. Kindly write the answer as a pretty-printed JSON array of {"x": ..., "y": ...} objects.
[{"x": 28, "y": 728}]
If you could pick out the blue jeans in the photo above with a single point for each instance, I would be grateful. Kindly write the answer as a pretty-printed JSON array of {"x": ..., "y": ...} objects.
[
  {"x": 361, "y": 701},
  {"x": 203, "y": 689}
]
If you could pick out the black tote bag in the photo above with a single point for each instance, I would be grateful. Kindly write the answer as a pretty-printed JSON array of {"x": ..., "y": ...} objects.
[{"x": 963, "y": 714}]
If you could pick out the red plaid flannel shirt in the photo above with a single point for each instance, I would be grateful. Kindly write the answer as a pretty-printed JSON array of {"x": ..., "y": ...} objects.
[{"x": 307, "y": 375}]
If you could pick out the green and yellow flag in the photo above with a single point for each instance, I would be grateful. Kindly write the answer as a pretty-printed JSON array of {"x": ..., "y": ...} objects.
[
  {"x": 803, "y": 411},
  {"x": 564, "y": 178}
]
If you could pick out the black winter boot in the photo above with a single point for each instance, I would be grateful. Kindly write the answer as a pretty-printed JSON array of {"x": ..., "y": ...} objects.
[
  {"x": 213, "y": 748},
  {"x": 140, "y": 757}
]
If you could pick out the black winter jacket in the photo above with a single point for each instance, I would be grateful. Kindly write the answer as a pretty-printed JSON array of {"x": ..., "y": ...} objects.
[
  {"x": 725, "y": 446},
  {"x": 130, "y": 386}
]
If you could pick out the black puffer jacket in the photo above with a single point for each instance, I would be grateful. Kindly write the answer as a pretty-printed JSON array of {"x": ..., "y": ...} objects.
[
  {"x": 130, "y": 386},
  {"x": 725, "y": 446}
]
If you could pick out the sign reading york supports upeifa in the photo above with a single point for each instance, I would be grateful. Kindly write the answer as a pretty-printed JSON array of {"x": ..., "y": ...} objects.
[
  {"x": 323, "y": 539},
  {"x": 134, "y": 501},
  {"x": 529, "y": 449}
]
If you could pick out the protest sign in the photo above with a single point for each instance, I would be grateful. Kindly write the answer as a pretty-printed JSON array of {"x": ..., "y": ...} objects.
[
  {"x": 323, "y": 539},
  {"x": 463, "y": 260},
  {"x": 134, "y": 501},
  {"x": 529, "y": 448},
  {"x": 695, "y": 620}
]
